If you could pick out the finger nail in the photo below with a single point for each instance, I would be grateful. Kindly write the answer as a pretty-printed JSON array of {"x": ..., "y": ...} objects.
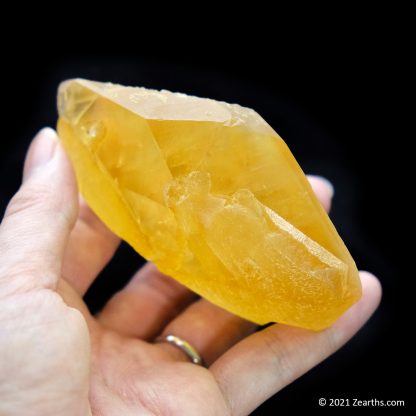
[
  {"x": 40, "y": 151},
  {"x": 328, "y": 185}
]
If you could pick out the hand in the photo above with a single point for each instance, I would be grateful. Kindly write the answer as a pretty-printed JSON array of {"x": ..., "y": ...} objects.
[{"x": 57, "y": 359}]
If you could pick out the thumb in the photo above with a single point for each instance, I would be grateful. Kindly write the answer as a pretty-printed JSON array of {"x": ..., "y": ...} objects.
[{"x": 39, "y": 218}]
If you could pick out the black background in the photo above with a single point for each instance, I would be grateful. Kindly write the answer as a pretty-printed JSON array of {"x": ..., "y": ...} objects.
[{"x": 333, "y": 98}]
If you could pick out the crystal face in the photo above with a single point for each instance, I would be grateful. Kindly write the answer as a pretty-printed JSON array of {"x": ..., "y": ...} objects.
[{"x": 211, "y": 194}]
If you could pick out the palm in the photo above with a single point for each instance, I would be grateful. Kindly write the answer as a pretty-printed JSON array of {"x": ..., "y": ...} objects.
[
  {"x": 132, "y": 375},
  {"x": 129, "y": 374},
  {"x": 58, "y": 359}
]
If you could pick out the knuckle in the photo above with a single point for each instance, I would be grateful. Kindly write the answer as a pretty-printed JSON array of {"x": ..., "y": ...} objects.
[
  {"x": 16, "y": 280},
  {"x": 283, "y": 356},
  {"x": 332, "y": 339},
  {"x": 272, "y": 344},
  {"x": 44, "y": 199},
  {"x": 29, "y": 197}
]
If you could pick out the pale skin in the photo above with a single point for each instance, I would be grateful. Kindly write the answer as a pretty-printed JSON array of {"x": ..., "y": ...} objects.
[{"x": 58, "y": 359}]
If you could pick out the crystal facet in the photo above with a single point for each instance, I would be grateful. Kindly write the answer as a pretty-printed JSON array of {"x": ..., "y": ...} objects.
[{"x": 212, "y": 195}]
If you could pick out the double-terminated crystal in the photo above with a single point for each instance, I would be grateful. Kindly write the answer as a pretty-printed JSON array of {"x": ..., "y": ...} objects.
[{"x": 212, "y": 195}]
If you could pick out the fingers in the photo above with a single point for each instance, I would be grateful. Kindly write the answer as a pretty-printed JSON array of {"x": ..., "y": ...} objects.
[
  {"x": 39, "y": 218},
  {"x": 262, "y": 364},
  {"x": 91, "y": 244},
  {"x": 209, "y": 329},
  {"x": 323, "y": 190},
  {"x": 146, "y": 304}
]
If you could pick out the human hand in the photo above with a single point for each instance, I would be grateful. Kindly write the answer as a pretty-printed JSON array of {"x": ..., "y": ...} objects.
[{"x": 58, "y": 359}]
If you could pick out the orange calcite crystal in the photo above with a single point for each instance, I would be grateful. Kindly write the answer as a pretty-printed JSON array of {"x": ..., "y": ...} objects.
[{"x": 212, "y": 195}]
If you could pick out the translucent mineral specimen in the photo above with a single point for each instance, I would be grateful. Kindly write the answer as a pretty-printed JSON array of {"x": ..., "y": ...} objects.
[{"x": 212, "y": 195}]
